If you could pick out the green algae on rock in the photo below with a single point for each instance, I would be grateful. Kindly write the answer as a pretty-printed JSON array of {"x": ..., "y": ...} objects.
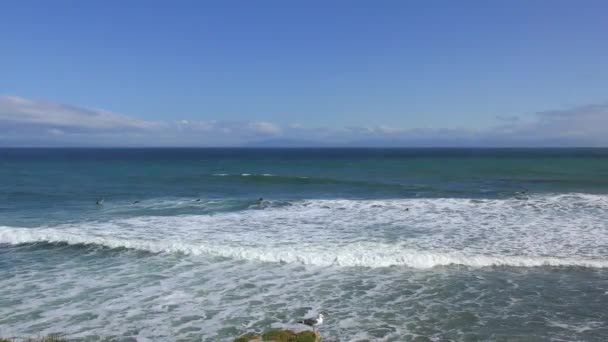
[
  {"x": 281, "y": 336},
  {"x": 35, "y": 339}
]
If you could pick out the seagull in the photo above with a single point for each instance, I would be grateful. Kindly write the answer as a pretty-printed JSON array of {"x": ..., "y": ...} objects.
[{"x": 313, "y": 322}]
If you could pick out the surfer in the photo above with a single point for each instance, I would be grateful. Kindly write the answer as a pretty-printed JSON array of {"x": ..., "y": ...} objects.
[
  {"x": 99, "y": 201},
  {"x": 136, "y": 202},
  {"x": 521, "y": 195},
  {"x": 197, "y": 200}
]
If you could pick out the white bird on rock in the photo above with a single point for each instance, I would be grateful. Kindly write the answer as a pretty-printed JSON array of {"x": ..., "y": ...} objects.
[{"x": 313, "y": 322}]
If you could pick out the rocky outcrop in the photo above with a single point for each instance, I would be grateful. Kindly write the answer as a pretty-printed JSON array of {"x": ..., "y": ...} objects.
[{"x": 281, "y": 336}]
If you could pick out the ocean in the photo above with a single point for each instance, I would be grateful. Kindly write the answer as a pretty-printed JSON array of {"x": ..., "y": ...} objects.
[{"x": 392, "y": 244}]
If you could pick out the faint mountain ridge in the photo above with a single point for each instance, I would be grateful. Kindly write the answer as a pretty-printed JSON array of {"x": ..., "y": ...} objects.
[{"x": 291, "y": 143}]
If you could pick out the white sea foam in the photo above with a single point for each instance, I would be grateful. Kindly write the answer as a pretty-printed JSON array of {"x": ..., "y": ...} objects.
[
  {"x": 560, "y": 230},
  {"x": 357, "y": 254},
  {"x": 190, "y": 298},
  {"x": 248, "y": 174},
  {"x": 163, "y": 296}
]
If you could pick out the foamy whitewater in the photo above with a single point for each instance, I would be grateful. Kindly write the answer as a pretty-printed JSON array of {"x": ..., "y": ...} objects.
[{"x": 388, "y": 257}]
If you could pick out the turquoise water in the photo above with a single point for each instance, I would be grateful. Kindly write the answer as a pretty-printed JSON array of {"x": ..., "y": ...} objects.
[{"x": 393, "y": 244}]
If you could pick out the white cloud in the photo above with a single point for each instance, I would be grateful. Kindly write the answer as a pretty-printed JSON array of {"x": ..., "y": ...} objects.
[
  {"x": 56, "y": 132},
  {"x": 585, "y": 125},
  {"x": 30, "y": 122},
  {"x": 199, "y": 126},
  {"x": 25, "y": 112},
  {"x": 238, "y": 128},
  {"x": 265, "y": 128},
  {"x": 389, "y": 130}
]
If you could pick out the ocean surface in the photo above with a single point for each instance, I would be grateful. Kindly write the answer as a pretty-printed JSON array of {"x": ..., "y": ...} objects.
[{"x": 392, "y": 244}]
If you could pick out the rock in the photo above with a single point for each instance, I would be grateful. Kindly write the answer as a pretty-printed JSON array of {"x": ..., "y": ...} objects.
[{"x": 281, "y": 336}]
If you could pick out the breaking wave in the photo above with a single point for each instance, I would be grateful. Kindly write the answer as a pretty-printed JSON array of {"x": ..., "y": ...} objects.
[
  {"x": 354, "y": 255},
  {"x": 555, "y": 230}
]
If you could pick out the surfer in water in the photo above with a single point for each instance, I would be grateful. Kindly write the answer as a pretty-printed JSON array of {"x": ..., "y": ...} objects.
[
  {"x": 521, "y": 194},
  {"x": 99, "y": 201}
]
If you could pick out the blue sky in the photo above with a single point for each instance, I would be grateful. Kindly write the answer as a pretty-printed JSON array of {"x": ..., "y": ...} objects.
[{"x": 207, "y": 73}]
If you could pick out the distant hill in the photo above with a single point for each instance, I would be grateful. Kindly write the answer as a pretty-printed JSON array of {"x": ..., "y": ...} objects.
[
  {"x": 374, "y": 143},
  {"x": 291, "y": 143}
]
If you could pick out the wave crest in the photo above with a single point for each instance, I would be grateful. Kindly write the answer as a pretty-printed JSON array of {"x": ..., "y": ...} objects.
[
  {"x": 372, "y": 255},
  {"x": 270, "y": 179}
]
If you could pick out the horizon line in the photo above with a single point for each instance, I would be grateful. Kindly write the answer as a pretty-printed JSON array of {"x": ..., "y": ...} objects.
[{"x": 303, "y": 147}]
